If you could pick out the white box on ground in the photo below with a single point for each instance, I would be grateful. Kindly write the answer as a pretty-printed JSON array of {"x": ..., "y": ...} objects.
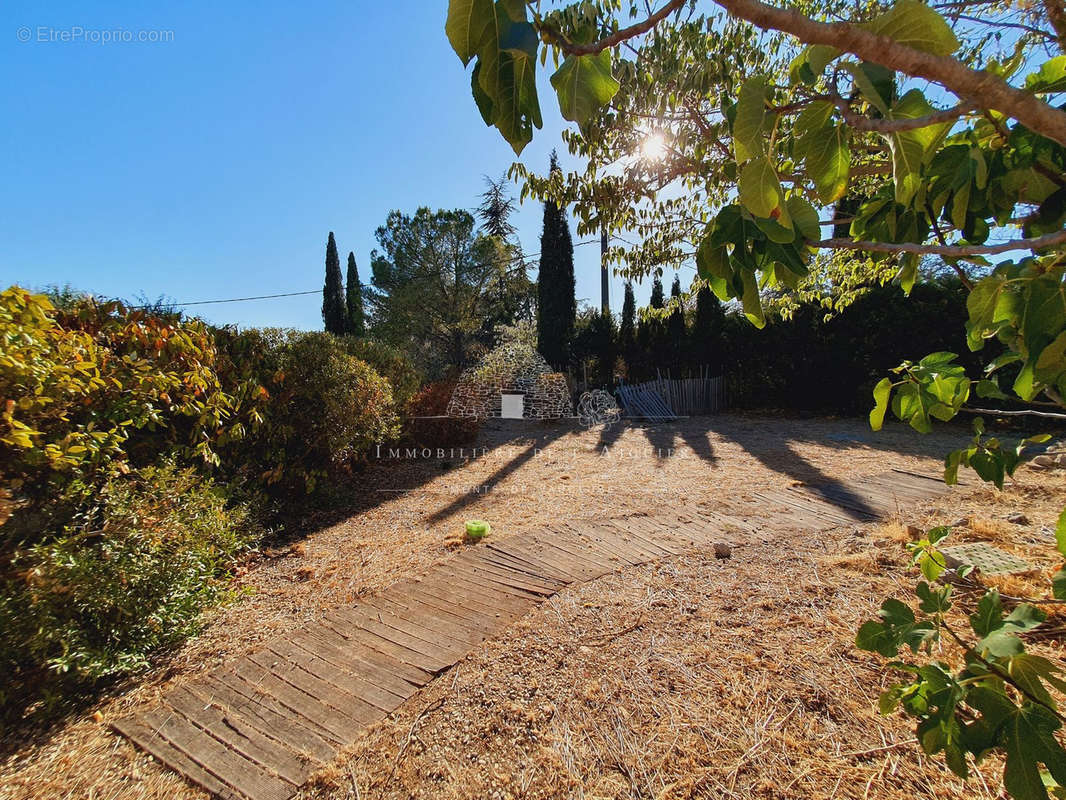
[{"x": 511, "y": 405}]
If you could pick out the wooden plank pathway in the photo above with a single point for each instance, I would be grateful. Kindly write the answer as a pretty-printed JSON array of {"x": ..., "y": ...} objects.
[{"x": 258, "y": 728}]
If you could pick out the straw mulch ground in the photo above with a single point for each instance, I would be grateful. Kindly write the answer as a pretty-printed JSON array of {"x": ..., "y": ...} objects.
[{"x": 691, "y": 677}]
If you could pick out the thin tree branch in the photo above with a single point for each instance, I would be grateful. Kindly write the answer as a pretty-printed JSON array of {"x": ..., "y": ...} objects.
[
  {"x": 979, "y": 86},
  {"x": 951, "y": 251},
  {"x": 1029, "y": 412},
  {"x": 1002, "y": 24},
  {"x": 615, "y": 38},
  {"x": 863, "y": 123}
]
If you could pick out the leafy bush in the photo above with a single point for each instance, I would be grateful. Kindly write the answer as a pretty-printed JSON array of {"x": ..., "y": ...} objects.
[
  {"x": 131, "y": 573},
  {"x": 432, "y": 401},
  {"x": 998, "y": 699},
  {"x": 97, "y": 389},
  {"x": 390, "y": 362},
  {"x": 324, "y": 408}
]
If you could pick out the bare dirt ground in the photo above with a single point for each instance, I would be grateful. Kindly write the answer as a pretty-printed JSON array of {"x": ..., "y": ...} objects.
[{"x": 690, "y": 677}]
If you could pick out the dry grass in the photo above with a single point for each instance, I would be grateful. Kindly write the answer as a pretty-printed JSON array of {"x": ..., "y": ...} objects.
[{"x": 690, "y": 677}]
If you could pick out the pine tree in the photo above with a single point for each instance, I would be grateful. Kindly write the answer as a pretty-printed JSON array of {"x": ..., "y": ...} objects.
[
  {"x": 333, "y": 291},
  {"x": 496, "y": 209},
  {"x": 355, "y": 320},
  {"x": 556, "y": 303}
]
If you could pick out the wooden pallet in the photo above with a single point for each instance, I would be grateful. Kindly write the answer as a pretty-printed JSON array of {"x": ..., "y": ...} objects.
[{"x": 258, "y": 728}]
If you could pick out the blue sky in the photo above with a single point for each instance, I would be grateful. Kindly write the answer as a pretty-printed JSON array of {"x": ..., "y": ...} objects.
[{"x": 214, "y": 164}]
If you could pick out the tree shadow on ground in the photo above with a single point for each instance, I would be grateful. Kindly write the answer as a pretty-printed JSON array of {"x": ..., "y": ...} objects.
[
  {"x": 781, "y": 457},
  {"x": 665, "y": 438},
  {"x": 533, "y": 442}
]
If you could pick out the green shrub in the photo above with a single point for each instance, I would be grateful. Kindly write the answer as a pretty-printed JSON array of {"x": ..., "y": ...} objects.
[
  {"x": 390, "y": 362},
  {"x": 96, "y": 389},
  {"x": 130, "y": 574},
  {"x": 324, "y": 409}
]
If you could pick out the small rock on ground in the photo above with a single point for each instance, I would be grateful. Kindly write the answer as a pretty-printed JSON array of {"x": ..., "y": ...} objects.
[{"x": 722, "y": 550}]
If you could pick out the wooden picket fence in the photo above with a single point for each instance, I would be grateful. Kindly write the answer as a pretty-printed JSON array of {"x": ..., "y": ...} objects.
[{"x": 667, "y": 398}]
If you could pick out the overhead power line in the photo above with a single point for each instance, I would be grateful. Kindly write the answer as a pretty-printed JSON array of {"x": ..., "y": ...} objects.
[{"x": 319, "y": 291}]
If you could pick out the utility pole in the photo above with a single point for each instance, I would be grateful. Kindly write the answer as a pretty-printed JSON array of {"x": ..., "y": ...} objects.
[{"x": 605, "y": 297}]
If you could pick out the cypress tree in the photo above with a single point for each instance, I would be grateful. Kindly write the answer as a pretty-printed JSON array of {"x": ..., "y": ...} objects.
[
  {"x": 627, "y": 329},
  {"x": 707, "y": 330},
  {"x": 556, "y": 303},
  {"x": 675, "y": 325},
  {"x": 657, "y": 298},
  {"x": 657, "y": 346},
  {"x": 355, "y": 321},
  {"x": 333, "y": 291}
]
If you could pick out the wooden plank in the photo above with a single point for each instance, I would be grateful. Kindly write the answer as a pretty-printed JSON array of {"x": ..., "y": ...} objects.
[
  {"x": 801, "y": 503},
  {"x": 415, "y": 676},
  {"x": 638, "y": 544},
  {"x": 528, "y": 548},
  {"x": 565, "y": 539},
  {"x": 240, "y": 735},
  {"x": 842, "y": 498},
  {"x": 614, "y": 540},
  {"x": 492, "y": 599},
  {"x": 399, "y": 652},
  {"x": 937, "y": 479},
  {"x": 368, "y": 623},
  {"x": 656, "y": 530},
  {"x": 660, "y": 548},
  {"x": 515, "y": 582},
  {"x": 499, "y": 580},
  {"x": 474, "y": 618},
  {"x": 343, "y": 678},
  {"x": 244, "y": 776},
  {"x": 346, "y": 659},
  {"x": 581, "y": 535},
  {"x": 919, "y": 488},
  {"x": 141, "y": 733},
  {"x": 419, "y": 603},
  {"x": 421, "y": 629},
  {"x": 316, "y": 711},
  {"x": 446, "y": 591},
  {"x": 530, "y": 583},
  {"x": 680, "y": 528},
  {"x": 428, "y": 617},
  {"x": 296, "y": 674},
  {"x": 547, "y": 548},
  {"x": 533, "y": 590},
  {"x": 579, "y": 553},
  {"x": 512, "y": 548},
  {"x": 270, "y": 717},
  {"x": 525, "y": 565}
]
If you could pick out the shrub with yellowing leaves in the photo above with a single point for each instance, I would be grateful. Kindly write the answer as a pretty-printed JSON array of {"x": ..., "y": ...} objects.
[{"x": 99, "y": 389}]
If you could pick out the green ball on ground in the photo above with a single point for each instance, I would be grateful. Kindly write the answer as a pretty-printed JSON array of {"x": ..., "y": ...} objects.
[{"x": 477, "y": 529}]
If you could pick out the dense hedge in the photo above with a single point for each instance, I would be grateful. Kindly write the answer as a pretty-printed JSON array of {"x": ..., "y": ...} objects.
[
  {"x": 805, "y": 363},
  {"x": 130, "y": 444},
  {"x": 810, "y": 364}
]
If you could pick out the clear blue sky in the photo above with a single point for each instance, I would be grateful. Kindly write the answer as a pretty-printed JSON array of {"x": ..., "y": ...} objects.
[{"x": 214, "y": 164}]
